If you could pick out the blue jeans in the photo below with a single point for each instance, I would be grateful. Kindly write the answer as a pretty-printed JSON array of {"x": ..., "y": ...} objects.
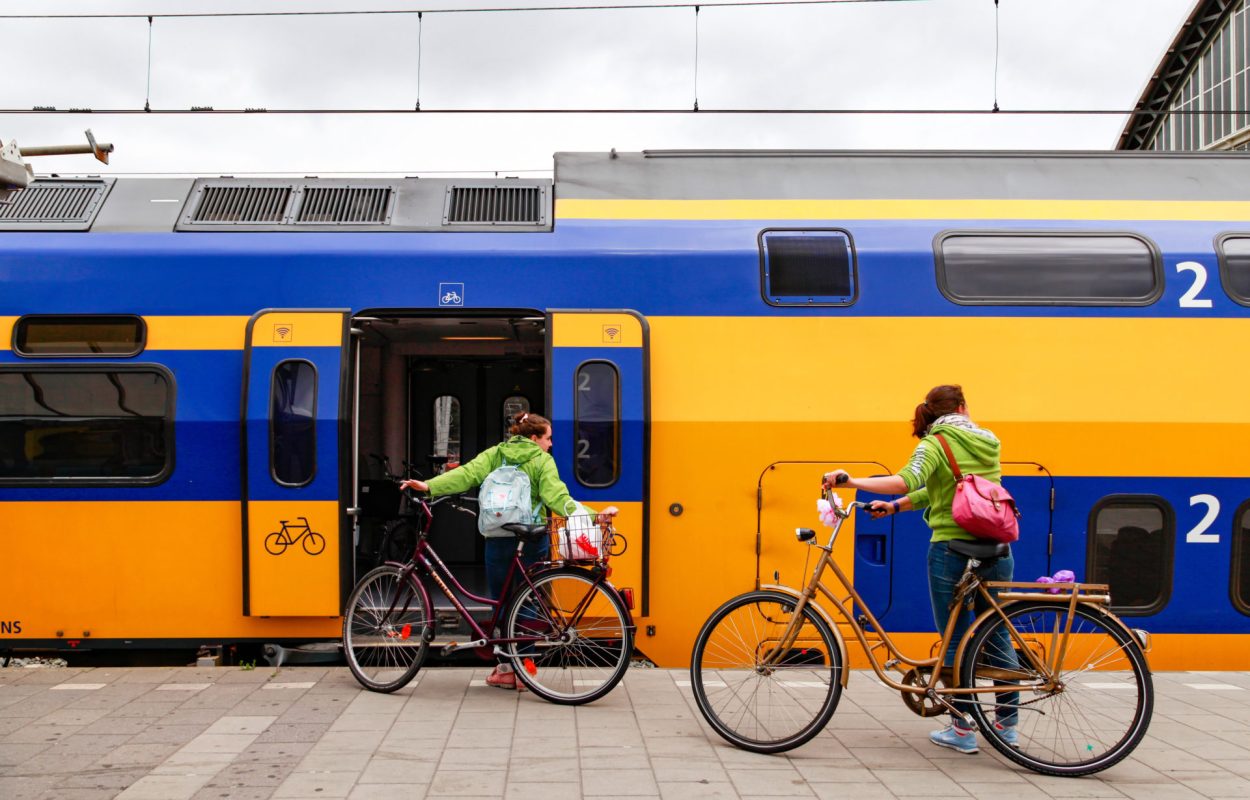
[
  {"x": 499, "y": 550},
  {"x": 945, "y": 570}
]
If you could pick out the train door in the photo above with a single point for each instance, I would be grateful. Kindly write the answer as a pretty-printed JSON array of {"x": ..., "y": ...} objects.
[
  {"x": 786, "y": 499},
  {"x": 459, "y": 407},
  {"x": 434, "y": 391},
  {"x": 294, "y": 380},
  {"x": 599, "y": 398}
]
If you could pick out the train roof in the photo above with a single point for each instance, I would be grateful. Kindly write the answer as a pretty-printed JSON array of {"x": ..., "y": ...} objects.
[
  {"x": 902, "y": 175},
  {"x": 228, "y": 204}
]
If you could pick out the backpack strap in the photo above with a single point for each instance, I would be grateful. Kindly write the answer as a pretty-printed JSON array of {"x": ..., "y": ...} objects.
[{"x": 949, "y": 457}]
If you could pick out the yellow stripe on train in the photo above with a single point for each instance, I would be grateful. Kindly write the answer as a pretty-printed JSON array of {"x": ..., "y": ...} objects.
[{"x": 878, "y": 209}]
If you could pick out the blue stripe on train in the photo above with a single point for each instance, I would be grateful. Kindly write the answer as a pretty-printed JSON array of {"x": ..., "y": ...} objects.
[
  {"x": 1198, "y": 574},
  {"x": 669, "y": 268}
]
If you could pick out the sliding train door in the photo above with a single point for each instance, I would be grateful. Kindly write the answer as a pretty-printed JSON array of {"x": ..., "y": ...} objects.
[
  {"x": 296, "y": 544},
  {"x": 599, "y": 397}
]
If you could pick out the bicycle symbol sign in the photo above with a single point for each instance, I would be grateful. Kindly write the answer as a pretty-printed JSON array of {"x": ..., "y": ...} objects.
[
  {"x": 278, "y": 541},
  {"x": 451, "y": 294}
]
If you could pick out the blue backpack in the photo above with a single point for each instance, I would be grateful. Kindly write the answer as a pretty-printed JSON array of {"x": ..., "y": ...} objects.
[{"x": 504, "y": 497}]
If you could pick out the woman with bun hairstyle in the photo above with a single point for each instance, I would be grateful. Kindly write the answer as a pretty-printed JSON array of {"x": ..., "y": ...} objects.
[
  {"x": 529, "y": 450},
  {"x": 928, "y": 483}
]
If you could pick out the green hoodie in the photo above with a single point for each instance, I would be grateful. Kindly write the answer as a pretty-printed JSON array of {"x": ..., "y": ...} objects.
[
  {"x": 930, "y": 482},
  {"x": 521, "y": 452}
]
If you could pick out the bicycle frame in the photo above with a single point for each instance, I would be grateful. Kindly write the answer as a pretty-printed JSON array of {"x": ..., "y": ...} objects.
[
  {"x": 969, "y": 584},
  {"x": 425, "y": 560}
]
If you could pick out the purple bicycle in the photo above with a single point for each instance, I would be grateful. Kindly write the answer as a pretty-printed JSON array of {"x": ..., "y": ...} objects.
[{"x": 567, "y": 631}]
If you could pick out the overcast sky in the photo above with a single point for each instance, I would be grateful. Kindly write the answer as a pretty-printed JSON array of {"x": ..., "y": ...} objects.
[{"x": 1053, "y": 54}]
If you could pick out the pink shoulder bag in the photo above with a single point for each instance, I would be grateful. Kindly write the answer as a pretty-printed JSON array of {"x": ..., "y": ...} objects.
[{"x": 982, "y": 508}]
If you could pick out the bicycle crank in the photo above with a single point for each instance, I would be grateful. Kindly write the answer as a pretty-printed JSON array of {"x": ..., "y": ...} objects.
[{"x": 921, "y": 704}]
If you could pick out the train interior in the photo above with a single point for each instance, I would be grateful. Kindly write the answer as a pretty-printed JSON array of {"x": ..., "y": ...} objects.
[{"x": 434, "y": 391}]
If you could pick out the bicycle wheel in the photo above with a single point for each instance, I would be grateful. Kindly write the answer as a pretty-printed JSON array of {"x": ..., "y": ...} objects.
[
  {"x": 586, "y": 637},
  {"x": 1095, "y": 715},
  {"x": 314, "y": 543},
  {"x": 386, "y": 630},
  {"x": 755, "y": 696},
  {"x": 275, "y": 544}
]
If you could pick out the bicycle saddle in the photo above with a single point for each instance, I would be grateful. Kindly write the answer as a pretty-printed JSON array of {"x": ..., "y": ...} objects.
[
  {"x": 527, "y": 533},
  {"x": 981, "y": 551}
]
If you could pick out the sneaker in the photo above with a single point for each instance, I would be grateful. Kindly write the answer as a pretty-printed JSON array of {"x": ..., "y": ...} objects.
[
  {"x": 1008, "y": 734},
  {"x": 956, "y": 738},
  {"x": 501, "y": 680}
]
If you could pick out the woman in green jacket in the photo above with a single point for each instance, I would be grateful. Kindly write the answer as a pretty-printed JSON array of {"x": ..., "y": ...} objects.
[
  {"x": 528, "y": 449},
  {"x": 928, "y": 483}
]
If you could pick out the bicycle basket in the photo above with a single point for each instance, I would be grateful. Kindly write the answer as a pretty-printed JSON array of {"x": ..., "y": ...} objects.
[{"x": 580, "y": 538}]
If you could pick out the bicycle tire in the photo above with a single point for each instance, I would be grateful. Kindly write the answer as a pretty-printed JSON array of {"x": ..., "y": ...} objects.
[
  {"x": 1103, "y": 708},
  {"x": 765, "y": 708},
  {"x": 578, "y": 660},
  {"x": 312, "y": 540},
  {"x": 278, "y": 543},
  {"x": 387, "y": 629}
]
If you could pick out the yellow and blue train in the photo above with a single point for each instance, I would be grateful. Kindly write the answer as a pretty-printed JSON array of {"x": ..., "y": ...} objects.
[{"x": 196, "y": 374}]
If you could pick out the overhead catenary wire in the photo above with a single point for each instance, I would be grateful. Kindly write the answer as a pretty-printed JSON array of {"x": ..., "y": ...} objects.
[
  {"x": 477, "y": 10},
  {"x": 1062, "y": 112}
]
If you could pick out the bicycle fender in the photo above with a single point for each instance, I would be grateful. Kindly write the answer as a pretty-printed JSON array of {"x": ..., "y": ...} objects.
[
  {"x": 837, "y": 634},
  {"x": 990, "y": 612},
  {"x": 605, "y": 583}
]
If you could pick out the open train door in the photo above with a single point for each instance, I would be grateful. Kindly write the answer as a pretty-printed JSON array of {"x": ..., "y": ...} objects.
[
  {"x": 296, "y": 542},
  {"x": 599, "y": 396}
]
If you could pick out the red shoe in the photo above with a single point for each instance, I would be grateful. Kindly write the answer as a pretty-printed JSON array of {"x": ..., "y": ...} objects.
[{"x": 501, "y": 680}]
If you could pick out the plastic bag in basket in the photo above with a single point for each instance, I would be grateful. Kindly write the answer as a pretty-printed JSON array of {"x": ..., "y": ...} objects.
[{"x": 581, "y": 537}]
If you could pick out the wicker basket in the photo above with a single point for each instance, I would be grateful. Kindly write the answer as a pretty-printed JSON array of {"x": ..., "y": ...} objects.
[{"x": 581, "y": 538}]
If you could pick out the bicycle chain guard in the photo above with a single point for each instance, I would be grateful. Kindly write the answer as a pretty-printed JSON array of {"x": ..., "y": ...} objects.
[{"x": 920, "y": 705}]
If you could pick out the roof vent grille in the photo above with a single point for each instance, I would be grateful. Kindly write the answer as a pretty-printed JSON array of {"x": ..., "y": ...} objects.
[
  {"x": 52, "y": 202},
  {"x": 345, "y": 204},
  {"x": 495, "y": 205},
  {"x": 243, "y": 204}
]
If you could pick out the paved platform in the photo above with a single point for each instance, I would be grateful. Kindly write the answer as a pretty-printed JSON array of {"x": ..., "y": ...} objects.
[{"x": 302, "y": 732}]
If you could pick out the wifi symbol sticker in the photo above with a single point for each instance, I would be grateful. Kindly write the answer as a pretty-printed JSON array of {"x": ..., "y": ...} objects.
[
  {"x": 612, "y": 334},
  {"x": 283, "y": 332}
]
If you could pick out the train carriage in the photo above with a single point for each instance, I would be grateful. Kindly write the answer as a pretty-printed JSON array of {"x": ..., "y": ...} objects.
[{"x": 198, "y": 374}]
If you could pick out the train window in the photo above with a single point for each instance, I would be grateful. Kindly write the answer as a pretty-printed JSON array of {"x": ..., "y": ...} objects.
[
  {"x": 1130, "y": 548},
  {"x": 597, "y": 424},
  {"x": 1040, "y": 268},
  {"x": 807, "y": 267},
  {"x": 1241, "y": 559},
  {"x": 86, "y": 425},
  {"x": 1234, "y": 252},
  {"x": 103, "y": 335},
  {"x": 446, "y": 432},
  {"x": 293, "y": 423},
  {"x": 516, "y": 404}
]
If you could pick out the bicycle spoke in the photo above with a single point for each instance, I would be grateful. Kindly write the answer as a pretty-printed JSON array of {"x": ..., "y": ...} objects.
[
  {"x": 582, "y": 644},
  {"x": 751, "y": 691},
  {"x": 1101, "y": 700},
  {"x": 384, "y": 630}
]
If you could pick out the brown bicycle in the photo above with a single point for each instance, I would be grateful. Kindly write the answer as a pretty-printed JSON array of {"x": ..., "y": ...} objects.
[{"x": 769, "y": 666}]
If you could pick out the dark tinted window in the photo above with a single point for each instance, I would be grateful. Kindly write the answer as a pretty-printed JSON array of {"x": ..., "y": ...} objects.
[
  {"x": 596, "y": 424},
  {"x": 1130, "y": 548},
  {"x": 79, "y": 336},
  {"x": 89, "y": 425},
  {"x": 1048, "y": 269},
  {"x": 293, "y": 423},
  {"x": 1241, "y": 559},
  {"x": 1235, "y": 267},
  {"x": 808, "y": 267}
]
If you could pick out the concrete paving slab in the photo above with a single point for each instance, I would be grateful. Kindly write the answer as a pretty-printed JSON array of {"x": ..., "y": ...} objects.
[{"x": 294, "y": 733}]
